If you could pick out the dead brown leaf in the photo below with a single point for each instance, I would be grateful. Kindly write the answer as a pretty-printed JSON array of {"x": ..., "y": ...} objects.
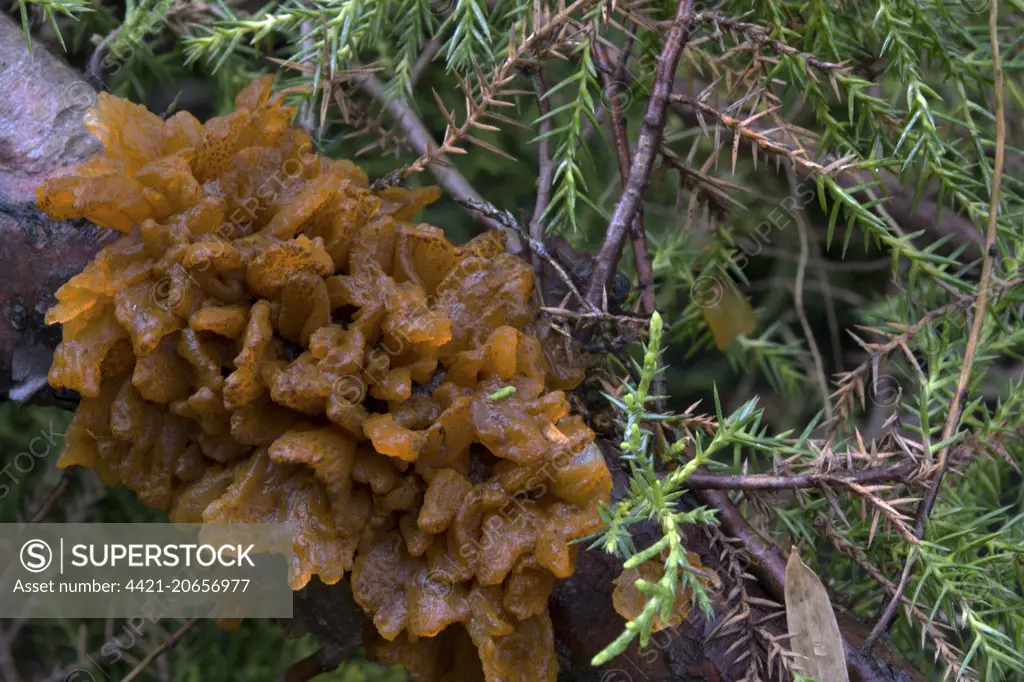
[{"x": 814, "y": 632}]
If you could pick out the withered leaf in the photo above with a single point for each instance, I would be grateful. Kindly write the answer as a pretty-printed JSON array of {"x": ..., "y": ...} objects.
[{"x": 814, "y": 632}]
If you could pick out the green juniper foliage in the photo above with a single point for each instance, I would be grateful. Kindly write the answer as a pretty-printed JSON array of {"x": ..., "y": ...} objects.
[
  {"x": 50, "y": 9},
  {"x": 655, "y": 497},
  {"x": 842, "y": 151}
]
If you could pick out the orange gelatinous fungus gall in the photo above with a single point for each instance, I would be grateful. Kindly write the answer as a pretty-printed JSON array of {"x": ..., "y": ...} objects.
[
  {"x": 272, "y": 341},
  {"x": 629, "y": 601}
]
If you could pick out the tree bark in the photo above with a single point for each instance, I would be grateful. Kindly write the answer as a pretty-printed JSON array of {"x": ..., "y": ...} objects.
[{"x": 41, "y": 134}]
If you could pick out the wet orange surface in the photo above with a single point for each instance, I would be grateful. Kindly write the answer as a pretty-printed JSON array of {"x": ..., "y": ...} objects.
[{"x": 270, "y": 341}]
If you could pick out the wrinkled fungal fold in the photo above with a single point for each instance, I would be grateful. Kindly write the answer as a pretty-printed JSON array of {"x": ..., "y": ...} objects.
[{"x": 271, "y": 341}]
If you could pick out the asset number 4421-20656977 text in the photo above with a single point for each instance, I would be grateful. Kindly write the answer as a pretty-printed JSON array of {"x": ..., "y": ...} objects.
[{"x": 185, "y": 585}]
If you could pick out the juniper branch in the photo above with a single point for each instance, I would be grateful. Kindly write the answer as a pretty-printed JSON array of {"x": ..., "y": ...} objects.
[
  {"x": 900, "y": 473},
  {"x": 648, "y": 143},
  {"x": 491, "y": 91},
  {"x": 423, "y": 142},
  {"x": 638, "y": 234},
  {"x": 545, "y": 169},
  {"x": 770, "y": 568},
  {"x": 961, "y": 395},
  {"x": 988, "y": 258}
]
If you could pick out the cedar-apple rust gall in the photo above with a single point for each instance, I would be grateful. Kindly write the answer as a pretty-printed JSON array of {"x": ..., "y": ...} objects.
[{"x": 259, "y": 288}]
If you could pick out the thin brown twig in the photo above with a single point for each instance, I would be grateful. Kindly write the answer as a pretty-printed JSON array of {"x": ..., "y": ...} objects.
[
  {"x": 638, "y": 233},
  {"x": 769, "y": 566},
  {"x": 95, "y": 67},
  {"x": 798, "y": 300},
  {"x": 647, "y": 146},
  {"x": 698, "y": 481},
  {"x": 903, "y": 203},
  {"x": 546, "y": 168},
  {"x": 307, "y": 116},
  {"x": 882, "y": 624},
  {"x": 931, "y": 626},
  {"x": 846, "y": 547},
  {"x": 621, "y": 67},
  {"x": 885, "y": 509},
  {"x": 641, "y": 322},
  {"x": 417, "y": 135},
  {"x": 960, "y": 397},
  {"x": 743, "y": 127},
  {"x": 850, "y": 383},
  {"x": 53, "y": 496},
  {"x": 715, "y": 190},
  {"x": 490, "y": 92},
  {"x": 762, "y": 35},
  {"x": 508, "y": 223},
  {"x": 430, "y": 51},
  {"x": 167, "y": 645}
]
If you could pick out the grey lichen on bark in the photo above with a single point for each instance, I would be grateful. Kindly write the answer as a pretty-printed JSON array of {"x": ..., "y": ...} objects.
[{"x": 42, "y": 104}]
